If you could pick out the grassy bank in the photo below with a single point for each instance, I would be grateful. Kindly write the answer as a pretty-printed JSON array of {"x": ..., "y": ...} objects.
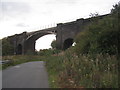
[
  {"x": 18, "y": 59},
  {"x": 85, "y": 71}
]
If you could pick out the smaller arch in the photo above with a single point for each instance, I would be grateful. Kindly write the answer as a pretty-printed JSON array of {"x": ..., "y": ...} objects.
[
  {"x": 67, "y": 43},
  {"x": 19, "y": 49}
]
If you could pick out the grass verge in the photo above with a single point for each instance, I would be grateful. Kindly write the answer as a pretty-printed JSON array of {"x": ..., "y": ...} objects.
[{"x": 18, "y": 59}]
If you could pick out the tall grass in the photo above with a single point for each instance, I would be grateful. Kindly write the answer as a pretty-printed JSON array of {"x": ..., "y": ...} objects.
[
  {"x": 84, "y": 71},
  {"x": 18, "y": 59}
]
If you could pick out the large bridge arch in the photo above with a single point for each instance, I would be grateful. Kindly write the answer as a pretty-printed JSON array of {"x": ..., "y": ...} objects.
[{"x": 29, "y": 44}]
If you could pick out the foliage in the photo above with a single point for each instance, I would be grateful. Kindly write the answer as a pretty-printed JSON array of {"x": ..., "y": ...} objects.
[
  {"x": 93, "y": 61},
  {"x": 53, "y": 44},
  {"x": 48, "y": 52},
  {"x": 29, "y": 52},
  {"x": 116, "y": 9},
  {"x": 18, "y": 59},
  {"x": 88, "y": 72},
  {"x": 45, "y": 52},
  {"x": 99, "y": 38},
  {"x": 54, "y": 65},
  {"x": 7, "y": 48},
  {"x": 94, "y": 14},
  {"x": 71, "y": 71}
]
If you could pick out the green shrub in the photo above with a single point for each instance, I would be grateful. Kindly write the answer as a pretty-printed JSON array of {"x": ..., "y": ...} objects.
[
  {"x": 85, "y": 71},
  {"x": 7, "y": 48},
  {"x": 45, "y": 52},
  {"x": 102, "y": 37},
  {"x": 48, "y": 52},
  {"x": 53, "y": 44},
  {"x": 116, "y": 9}
]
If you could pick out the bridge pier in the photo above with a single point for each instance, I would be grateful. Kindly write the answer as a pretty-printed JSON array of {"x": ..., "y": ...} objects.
[{"x": 29, "y": 47}]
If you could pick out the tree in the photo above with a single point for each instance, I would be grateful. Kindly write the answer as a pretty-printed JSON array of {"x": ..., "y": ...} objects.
[
  {"x": 101, "y": 37},
  {"x": 7, "y": 48},
  {"x": 53, "y": 44},
  {"x": 96, "y": 14},
  {"x": 116, "y": 9}
]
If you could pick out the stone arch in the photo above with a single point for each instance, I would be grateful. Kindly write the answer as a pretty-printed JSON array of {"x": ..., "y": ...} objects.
[
  {"x": 19, "y": 49},
  {"x": 67, "y": 43},
  {"x": 31, "y": 41}
]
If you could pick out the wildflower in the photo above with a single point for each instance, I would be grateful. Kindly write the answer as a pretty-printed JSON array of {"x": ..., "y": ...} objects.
[{"x": 53, "y": 81}]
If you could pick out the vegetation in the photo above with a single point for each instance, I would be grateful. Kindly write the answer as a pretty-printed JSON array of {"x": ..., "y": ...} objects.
[
  {"x": 69, "y": 71},
  {"x": 53, "y": 44},
  {"x": 48, "y": 52},
  {"x": 91, "y": 63},
  {"x": 19, "y": 59},
  {"x": 7, "y": 48},
  {"x": 99, "y": 38}
]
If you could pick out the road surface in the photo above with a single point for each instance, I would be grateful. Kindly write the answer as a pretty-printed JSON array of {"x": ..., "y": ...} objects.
[{"x": 27, "y": 75}]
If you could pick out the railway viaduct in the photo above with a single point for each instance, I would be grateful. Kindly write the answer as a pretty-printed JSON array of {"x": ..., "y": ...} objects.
[{"x": 65, "y": 34}]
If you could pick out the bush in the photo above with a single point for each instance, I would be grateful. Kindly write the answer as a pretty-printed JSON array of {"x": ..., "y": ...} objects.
[
  {"x": 116, "y": 9},
  {"x": 7, "y": 48},
  {"x": 85, "y": 71},
  {"x": 53, "y": 44},
  {"x": 45, "y": 52},
  {"x": 102, "y": 37}
]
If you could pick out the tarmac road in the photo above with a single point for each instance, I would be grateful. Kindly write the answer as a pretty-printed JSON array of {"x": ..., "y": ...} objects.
[{"x": 27, "y": 75}]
